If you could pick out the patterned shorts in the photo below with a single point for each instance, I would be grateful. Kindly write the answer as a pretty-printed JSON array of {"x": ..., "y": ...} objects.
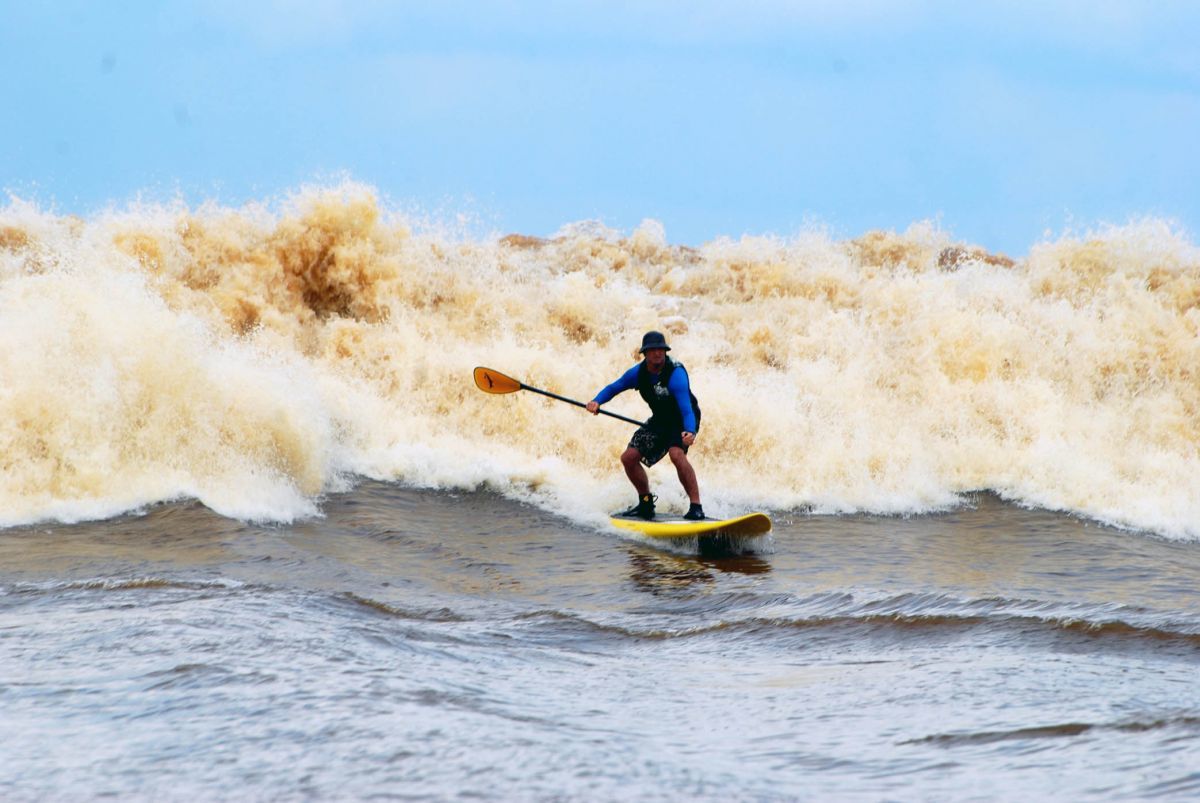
[{"x": 653, "y": 443}]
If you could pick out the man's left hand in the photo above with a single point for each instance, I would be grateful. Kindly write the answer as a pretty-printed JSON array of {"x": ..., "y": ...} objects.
[{"x": 688, "y": 438}]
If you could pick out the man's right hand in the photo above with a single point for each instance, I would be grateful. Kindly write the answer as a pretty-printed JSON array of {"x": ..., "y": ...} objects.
[{"x": 593, "y": 407}]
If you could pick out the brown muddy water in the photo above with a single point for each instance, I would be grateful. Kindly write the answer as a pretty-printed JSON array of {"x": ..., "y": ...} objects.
[{"x": 419, "y": 644}]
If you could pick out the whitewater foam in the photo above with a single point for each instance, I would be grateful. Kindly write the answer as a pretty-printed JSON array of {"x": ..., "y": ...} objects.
[{"x": 256, "y": 360}]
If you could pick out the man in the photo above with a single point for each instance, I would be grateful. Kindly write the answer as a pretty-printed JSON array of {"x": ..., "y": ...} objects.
[{"x": 675, "y": 417}]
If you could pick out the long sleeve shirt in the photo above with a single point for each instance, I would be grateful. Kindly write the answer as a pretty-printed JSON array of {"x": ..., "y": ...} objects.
[{"x": 677, "y": 384}]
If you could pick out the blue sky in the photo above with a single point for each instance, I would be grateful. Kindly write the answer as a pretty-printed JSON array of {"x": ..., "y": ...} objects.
[{"x": 1003, "y": 121}]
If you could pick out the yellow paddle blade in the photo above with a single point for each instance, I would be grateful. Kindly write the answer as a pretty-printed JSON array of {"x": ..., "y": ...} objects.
[{"x": 490, "y": 381}]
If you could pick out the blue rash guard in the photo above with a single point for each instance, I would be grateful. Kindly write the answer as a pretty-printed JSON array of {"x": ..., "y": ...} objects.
[{"x": 677, "y": 384}]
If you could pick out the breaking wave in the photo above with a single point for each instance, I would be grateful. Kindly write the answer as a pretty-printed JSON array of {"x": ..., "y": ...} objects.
[{"x": 256, "y": 359}]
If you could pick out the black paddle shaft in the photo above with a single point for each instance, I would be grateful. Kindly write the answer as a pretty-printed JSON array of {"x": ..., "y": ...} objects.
[{"x": 580, "y": 404}]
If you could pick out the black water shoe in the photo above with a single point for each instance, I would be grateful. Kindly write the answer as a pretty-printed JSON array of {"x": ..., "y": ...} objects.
[
  {"x": 644, "y": 509},
  {"x": 695, "y": 513}
]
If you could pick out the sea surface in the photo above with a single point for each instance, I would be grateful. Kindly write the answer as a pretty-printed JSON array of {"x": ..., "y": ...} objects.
[
  {"x": 262, "y": 538},
  {"x": 434, "y": 645}
]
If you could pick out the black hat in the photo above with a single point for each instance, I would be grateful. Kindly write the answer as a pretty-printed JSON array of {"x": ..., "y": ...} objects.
[{"x": 654, "y": 340}]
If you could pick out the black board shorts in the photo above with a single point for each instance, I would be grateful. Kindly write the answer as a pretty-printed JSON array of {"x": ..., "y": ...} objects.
[{"x": 653, "y": 443}]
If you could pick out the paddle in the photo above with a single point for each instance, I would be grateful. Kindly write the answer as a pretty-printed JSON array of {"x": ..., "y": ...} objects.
[{"x": 490, "y": 381}]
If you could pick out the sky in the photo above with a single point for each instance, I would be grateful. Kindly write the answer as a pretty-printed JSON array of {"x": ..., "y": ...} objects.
[{"x": 1005, "y": 123}]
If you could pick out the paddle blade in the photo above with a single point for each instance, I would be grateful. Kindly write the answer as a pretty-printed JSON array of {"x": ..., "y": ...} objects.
[{"x": 490, "y": 381}]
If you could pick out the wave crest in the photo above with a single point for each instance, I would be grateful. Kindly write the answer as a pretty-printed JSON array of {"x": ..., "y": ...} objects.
[{"x": 254, "y": 358}]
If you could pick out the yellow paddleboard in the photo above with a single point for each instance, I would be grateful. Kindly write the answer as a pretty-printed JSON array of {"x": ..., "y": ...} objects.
[{"x": 679, "y": 527}]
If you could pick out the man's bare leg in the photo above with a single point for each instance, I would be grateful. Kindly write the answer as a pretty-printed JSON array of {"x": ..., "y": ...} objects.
[
  {"x": 687, "y": 475},
  {"x": 631, "y": 459}
]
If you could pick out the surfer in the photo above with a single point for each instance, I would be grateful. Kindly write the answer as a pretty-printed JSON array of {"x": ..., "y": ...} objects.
[{"x": 674, "y": 420}]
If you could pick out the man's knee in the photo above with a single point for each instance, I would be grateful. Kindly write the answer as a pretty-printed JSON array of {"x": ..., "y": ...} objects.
[
  {"x": 630, "y": 457},
  {"x": 678, "y": 456}
]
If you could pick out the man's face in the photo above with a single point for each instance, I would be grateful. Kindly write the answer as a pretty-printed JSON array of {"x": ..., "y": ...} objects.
[{"x": 655, "y": 359}]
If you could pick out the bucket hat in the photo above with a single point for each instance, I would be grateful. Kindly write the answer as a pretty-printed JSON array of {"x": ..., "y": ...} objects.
[{"x": 654, "y": 340}]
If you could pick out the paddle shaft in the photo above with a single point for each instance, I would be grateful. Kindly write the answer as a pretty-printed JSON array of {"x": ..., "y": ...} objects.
[{"x": 579, "y": 404}]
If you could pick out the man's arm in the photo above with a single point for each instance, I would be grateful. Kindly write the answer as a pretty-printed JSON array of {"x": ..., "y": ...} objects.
[
  {"x": 681, "y": 389},
  {"x": 627, "y": 381}
]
